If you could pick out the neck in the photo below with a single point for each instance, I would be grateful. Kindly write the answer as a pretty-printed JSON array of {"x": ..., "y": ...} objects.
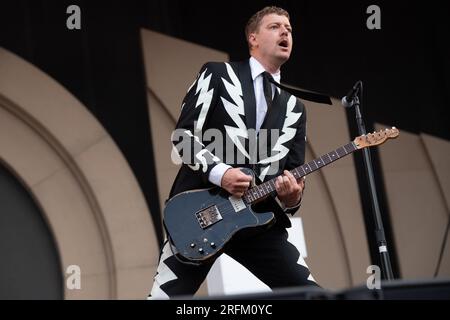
[
  {"x": 259, "y": 192},
  {"x": 270, "y": 66}
]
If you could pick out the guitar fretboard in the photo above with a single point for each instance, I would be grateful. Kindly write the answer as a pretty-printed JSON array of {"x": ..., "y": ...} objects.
[{"x": 258, "y": 192}]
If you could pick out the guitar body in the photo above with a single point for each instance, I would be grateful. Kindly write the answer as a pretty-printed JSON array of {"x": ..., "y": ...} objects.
[{"x": 201, "y": 222}]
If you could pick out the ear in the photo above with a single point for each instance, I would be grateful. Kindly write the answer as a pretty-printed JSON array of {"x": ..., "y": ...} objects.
[{"x": 252, "y": 39}]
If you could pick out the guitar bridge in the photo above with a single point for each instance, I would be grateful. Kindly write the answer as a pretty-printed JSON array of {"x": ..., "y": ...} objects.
[{"x": 208, "y": 216}]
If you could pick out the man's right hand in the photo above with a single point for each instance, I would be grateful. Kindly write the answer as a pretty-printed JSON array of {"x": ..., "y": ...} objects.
[{"x": 235, "y": 181}]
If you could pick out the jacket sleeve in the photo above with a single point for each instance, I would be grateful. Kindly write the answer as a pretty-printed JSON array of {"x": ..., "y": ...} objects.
[
  {"x": 296, "y": 156},
  {"x": 196, "y": 107}
]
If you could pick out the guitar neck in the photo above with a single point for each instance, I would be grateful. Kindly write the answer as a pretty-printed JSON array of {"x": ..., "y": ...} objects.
[{"x": 256, "y": 193}]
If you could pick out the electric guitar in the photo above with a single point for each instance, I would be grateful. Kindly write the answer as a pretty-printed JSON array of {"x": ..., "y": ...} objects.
[{"x": 201, "y": 222}]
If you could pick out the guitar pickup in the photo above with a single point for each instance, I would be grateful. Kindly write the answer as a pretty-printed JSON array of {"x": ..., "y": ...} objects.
[
  {"x": 208, "y": 216},
  {"x": 237, "y": 203}
]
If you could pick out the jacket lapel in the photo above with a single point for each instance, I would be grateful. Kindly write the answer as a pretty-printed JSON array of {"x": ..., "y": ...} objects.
[{"x": 245, "y": 76}]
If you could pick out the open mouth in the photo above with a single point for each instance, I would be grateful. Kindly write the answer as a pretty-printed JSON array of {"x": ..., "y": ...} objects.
[{"x": 284, "y": 44}]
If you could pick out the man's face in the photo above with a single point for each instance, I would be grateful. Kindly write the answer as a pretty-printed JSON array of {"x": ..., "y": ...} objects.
[{"x": 273, "y": 40}]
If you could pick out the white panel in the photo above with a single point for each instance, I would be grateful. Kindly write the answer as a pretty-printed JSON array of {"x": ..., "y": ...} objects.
[{"x": 229, "y": 277}]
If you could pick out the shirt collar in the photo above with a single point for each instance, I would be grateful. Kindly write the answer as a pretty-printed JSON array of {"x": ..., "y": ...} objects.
[{"x": 256, "y": 69}]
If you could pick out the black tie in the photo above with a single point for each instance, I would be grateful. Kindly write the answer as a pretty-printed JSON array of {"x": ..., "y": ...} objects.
[
  {"x": 307, "y": 95},
  {"x": 267, "y": 79}
]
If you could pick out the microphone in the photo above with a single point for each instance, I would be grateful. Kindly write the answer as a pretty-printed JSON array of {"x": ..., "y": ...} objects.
[{"x": 349, "y": 99}]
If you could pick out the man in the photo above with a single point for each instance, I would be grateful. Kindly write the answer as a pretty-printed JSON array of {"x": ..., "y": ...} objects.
[{"x": 241, "y": 101}]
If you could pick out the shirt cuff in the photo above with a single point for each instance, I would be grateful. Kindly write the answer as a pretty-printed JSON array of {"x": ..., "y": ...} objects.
[
  {"x": 216, "y": 173},
  {"x": 289, "y": 209}
]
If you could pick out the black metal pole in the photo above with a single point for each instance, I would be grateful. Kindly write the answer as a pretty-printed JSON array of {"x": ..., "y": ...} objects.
[{"x": 379, "y": 230}]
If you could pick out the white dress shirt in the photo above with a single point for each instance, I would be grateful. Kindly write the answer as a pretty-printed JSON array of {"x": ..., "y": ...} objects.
[{"x": 256, "y": 69}]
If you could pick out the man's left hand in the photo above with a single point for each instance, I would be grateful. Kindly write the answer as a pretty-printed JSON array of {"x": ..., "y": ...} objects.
[{"x": 289, "y": 190}]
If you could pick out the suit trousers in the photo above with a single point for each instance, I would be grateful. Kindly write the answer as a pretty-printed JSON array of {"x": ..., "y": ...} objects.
[{"x": 267, "y": 254}]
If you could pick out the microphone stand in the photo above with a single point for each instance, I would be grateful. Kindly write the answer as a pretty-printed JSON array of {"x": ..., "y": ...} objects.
[{"x": 379, "y": 230}]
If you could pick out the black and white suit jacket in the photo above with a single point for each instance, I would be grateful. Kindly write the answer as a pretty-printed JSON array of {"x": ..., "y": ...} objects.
[{"x": 217, "y": 123}]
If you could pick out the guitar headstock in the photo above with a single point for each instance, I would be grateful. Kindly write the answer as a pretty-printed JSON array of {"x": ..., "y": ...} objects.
[{"x": 376, "y": 138}]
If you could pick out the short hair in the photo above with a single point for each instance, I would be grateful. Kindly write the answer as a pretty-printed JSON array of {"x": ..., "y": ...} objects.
[{"x": 254, "y": 22}]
